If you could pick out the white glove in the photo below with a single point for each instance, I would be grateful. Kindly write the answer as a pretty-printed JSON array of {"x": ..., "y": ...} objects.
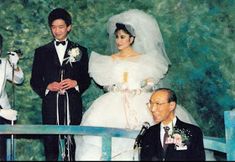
[
  {"x": 13, "y": 58},
  {"x": 147, "y": 84},
  {"x": 8, "y": 114}
]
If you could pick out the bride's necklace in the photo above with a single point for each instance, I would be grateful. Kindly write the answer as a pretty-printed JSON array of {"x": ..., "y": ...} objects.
[
  {"x": 125, "y": 57},
  {"x": 126, "y": 54}
]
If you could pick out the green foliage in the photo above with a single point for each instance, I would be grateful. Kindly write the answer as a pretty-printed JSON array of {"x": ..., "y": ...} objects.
[{"x": 198, "y": 35}]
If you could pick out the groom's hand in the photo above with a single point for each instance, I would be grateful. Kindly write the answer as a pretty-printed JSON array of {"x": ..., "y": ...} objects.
[
  {"x": 54, "y": 86},
  {"x": 68, "y": 84}
]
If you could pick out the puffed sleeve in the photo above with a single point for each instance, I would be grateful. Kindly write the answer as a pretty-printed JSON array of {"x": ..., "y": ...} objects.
[
  {"x": 152, "y": 68},
  {"x": 101, "y": 69}
]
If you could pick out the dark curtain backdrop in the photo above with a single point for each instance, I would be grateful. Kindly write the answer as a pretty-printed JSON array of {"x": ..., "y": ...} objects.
[{"x": 199, "y": 37}]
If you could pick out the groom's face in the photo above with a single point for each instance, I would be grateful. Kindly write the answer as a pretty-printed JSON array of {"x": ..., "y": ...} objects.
[{"x": 60, "y": 29}]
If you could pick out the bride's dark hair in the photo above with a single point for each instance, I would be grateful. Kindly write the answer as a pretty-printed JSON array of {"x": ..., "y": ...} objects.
[{"x": 128, "y": 29}]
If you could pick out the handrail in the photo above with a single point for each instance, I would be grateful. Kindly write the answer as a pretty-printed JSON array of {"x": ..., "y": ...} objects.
[
  {"x": 225, "y": 145},
  {"x": 229, "y": 122},
  {"x": 211, "y": 143},
  {"x": 214, "y": 143},
  {"x": 62, "y": 129},
  {"x": 104, "y": 132}
]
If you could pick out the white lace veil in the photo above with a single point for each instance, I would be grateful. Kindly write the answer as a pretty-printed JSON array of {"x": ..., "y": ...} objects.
[{"x": 148, "y": 38}]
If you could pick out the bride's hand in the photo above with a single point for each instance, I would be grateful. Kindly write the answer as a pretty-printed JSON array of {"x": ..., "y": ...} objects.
[{"x": 148, "y": 84}]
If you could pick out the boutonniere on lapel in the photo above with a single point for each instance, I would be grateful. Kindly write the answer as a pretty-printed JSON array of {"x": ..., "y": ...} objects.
[
  {"x": 74, "y": 55},
  {"x": 180, "y": 138}
]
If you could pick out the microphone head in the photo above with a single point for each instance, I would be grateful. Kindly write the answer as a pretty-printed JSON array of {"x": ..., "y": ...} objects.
[
  {"x": 146, "y": 125},
  {"x": 18, "y": 51}
]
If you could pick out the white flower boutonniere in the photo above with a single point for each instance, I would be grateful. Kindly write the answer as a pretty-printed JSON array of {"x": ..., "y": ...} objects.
[
  {"x": 74, "y": 55},
  {"x": 179, "y": 137}
]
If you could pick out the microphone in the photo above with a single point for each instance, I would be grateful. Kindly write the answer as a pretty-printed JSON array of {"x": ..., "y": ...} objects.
[
  {"x": 145, "y": 126},
  {"x": 18, "y": 51}
]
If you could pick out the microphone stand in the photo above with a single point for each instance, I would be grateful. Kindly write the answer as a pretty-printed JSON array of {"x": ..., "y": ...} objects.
[
  {"x": 12, "y": 156},
  {"x": 138, "y": 140},
  {"x": 137, "y": 147},
  {"x": 13, "y": 105},
  {"x": 67, "y": 147}
]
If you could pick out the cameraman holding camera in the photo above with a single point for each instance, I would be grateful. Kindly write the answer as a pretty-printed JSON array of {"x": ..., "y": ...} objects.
[{"x": 11, "y": 72}]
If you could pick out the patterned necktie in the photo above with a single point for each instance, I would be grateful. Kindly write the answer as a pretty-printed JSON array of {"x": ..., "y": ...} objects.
[
  {"x": 166, "y": 135},
  {"x": 60, "y": 42}
]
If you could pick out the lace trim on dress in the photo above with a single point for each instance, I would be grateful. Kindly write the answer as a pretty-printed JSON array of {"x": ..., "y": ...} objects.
[{"x": 131, "y": 116}]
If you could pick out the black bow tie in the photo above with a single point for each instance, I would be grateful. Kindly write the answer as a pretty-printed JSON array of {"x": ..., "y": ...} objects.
[{"x": 60, "y": 42}]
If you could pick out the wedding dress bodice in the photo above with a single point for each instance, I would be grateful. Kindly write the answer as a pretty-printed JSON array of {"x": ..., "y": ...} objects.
[{"x": 108, "y": 71}]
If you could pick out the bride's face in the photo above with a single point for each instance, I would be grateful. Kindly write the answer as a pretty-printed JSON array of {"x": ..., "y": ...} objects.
[{"x": 123, "y": 40}]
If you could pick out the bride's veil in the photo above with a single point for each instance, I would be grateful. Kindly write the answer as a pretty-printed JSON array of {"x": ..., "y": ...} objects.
[
  {"x": 148, "y": 41},
  {"x": 148, "y": 36}
]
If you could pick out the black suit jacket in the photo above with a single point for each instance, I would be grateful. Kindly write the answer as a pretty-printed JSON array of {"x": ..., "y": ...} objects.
[
  {"x": 47, "y": 69},
  {"x": 152, "y": 148}
]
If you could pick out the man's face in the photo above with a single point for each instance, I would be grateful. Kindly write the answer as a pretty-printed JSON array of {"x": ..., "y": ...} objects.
[
  {"x": 160, "y": 107},
  {"x": 59, "y": 29}
]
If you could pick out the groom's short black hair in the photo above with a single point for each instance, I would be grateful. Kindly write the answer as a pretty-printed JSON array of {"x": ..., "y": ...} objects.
[{"x": 59, "y": 13}]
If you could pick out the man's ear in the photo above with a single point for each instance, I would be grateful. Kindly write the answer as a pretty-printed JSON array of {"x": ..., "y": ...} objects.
[
  {"x": 69, "y": 28},
  {"x": 172, "y": 106}
]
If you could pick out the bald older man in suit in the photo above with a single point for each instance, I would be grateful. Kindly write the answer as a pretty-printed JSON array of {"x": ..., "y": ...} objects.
[{"x": 170, "y": 139}]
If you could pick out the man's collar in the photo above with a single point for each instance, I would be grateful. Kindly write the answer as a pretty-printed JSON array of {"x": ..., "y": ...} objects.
[
  {"x": 171, "y": 124},
  {"x": 58, "y": 42},
  {"x": 66, "y": 39}
]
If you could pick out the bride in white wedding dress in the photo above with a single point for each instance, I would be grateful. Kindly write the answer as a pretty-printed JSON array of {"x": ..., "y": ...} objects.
[{"x": 138, "y": 64}]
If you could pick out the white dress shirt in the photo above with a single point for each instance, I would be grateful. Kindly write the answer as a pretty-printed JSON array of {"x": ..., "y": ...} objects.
[
  {"x": 170, "y": 125},
  {"x": 60, "y": 49}
]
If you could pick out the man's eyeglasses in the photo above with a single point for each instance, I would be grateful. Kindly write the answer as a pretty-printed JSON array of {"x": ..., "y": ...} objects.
[{"x": 152, "y": 104}]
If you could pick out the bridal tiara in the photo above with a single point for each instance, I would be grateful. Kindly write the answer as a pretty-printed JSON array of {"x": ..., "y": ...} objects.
[{"x": 128, "y": 27}]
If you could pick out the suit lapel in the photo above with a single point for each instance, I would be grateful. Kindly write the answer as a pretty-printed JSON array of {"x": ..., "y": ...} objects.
[
  {"x": 53, "y": 53},
  {"x": 66, "y": 52},
  {"x": 170, "y": 151},
  {"x": 158, "y": 143},
  {"x": 170, "y": 148}
]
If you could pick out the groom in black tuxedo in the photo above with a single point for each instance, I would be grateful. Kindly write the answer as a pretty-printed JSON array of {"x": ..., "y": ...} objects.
[
  {"x": 170, "y": 139},
  {"x": 59, "y": 77}
]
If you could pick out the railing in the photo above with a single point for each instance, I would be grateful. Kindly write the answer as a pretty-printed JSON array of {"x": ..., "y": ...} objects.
[
  {"x": 104, "y": 132},
  {"x": 224, "y": 145}
]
